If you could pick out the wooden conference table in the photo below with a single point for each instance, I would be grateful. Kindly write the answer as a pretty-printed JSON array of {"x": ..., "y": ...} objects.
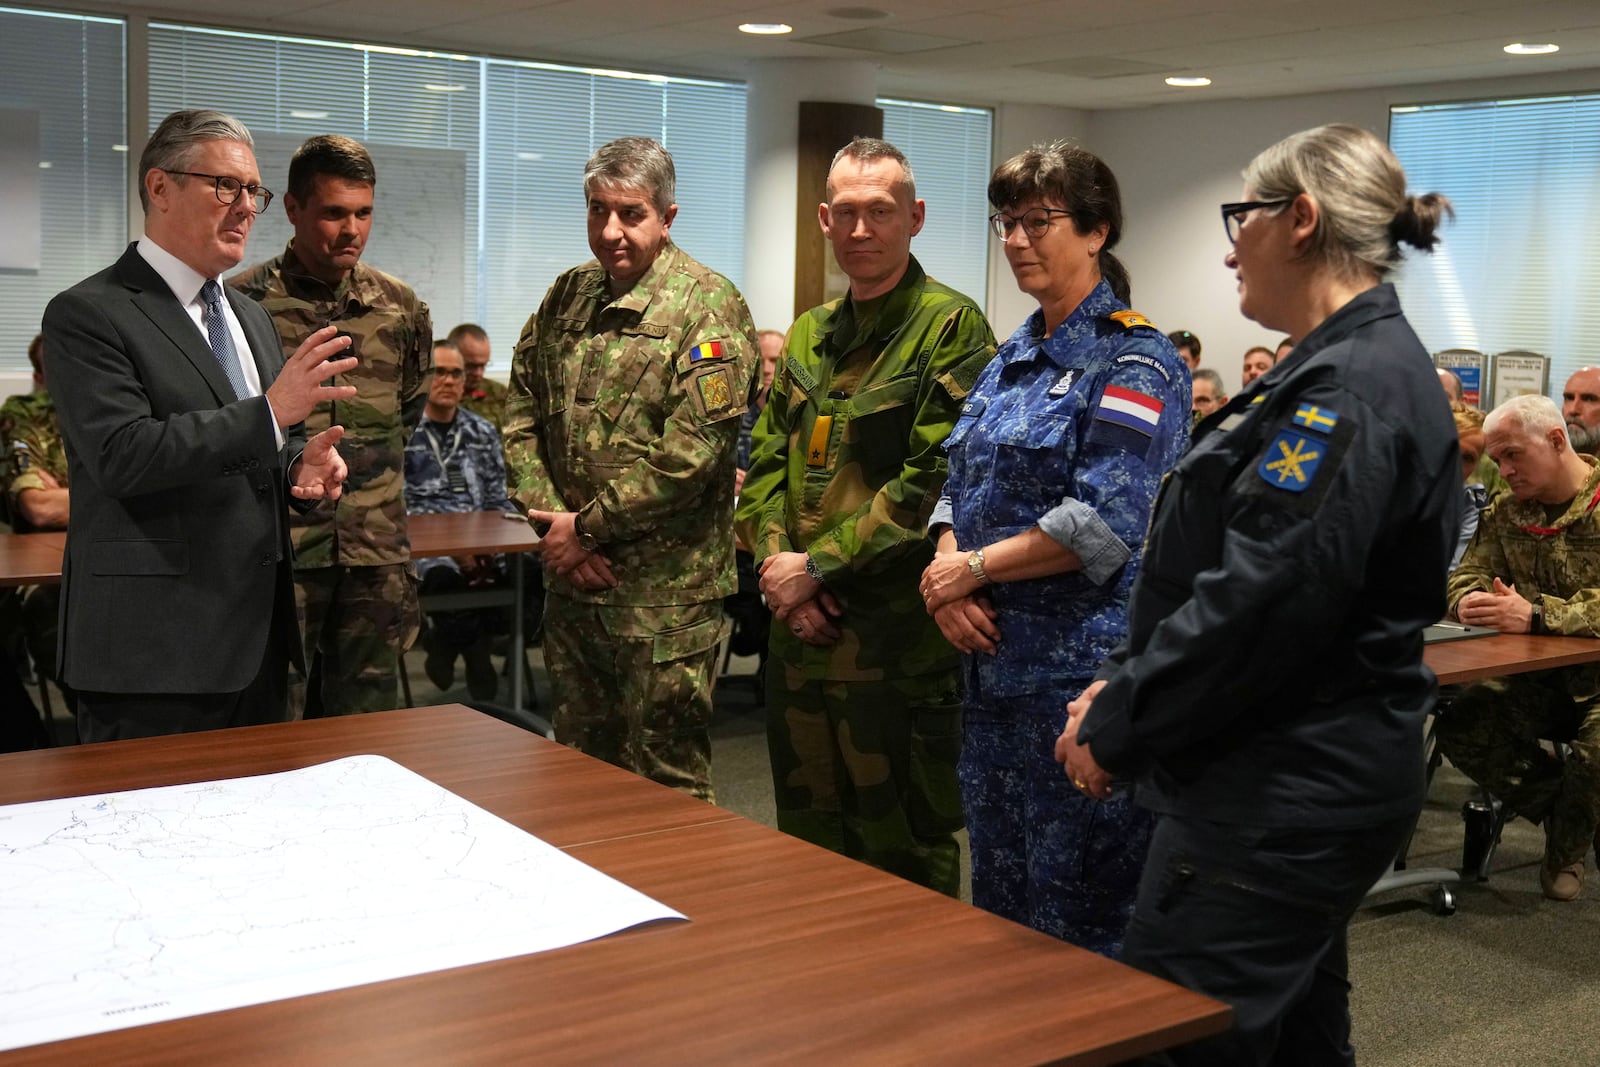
[
  {"x": 35, "y": 559},
  {"x": 792, "y": 954}
]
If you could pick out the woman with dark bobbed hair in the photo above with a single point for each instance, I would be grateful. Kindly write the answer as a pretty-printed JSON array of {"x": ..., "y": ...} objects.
[
  {"x": 1271, "y": 693},
  {"x": 1054, "y": 464}
]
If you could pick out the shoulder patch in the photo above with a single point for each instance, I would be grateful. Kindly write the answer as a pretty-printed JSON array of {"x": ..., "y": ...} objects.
[
  {"x": 1148, "y": 361},
  {"x": 1314, "y": 418},
  {"x": 1291, "y": 461},
  {"x": 714, "y": 387},
  {"x": 800, "y": 375},
  {"x": 1130, "y": 319},
  {"x": 1126, "y": 419},
  {"x": 709, "y": 350}
]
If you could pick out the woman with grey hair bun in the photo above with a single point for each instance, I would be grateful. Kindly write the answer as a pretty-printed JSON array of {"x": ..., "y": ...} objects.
[{"x": 1271, "y": 694}]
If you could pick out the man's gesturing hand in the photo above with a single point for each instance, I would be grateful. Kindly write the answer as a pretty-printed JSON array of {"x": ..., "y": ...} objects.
[{"x": 298, "y": 387}]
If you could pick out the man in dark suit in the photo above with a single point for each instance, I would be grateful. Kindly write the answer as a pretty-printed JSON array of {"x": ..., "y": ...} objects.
[{"x": 182, "y": 421}]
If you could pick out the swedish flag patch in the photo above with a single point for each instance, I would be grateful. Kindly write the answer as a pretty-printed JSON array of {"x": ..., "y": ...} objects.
[
  {"x": 1291, "y": 461},
  {"x": 1314, "y": 418}
]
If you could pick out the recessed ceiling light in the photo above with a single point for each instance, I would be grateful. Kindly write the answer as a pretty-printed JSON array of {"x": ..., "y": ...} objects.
[
  {"x": 1531, "y": 49},
  {"x": 119, "y": 148},
  {"x": 1188, "y": 83},
  {"x": 765, "y": 29},
  {"x": 45, "y": 164},
  {"x": 435, "y": 88},
  {"x": 531, "y": 157},
  {"x": 308, "y": 114}
]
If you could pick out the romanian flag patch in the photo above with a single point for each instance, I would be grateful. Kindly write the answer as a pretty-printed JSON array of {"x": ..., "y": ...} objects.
[
  {"x": 706, "y": 350},
  {"x": 1127, "y": 419}
]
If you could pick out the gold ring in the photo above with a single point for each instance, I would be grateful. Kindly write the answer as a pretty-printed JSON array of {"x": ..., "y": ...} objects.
[{"x": 1079, "y": 782}]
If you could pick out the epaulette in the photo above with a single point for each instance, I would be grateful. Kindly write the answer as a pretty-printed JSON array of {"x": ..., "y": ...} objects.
[{"x": 1129, "y": 320}]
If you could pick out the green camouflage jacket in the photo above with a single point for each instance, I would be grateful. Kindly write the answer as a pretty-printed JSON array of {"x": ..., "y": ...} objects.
[
  {"x": 1553, "y": 564},
  {"x": 33, "y": 443},
  {"x": 852, "y": 479},
  {"x": 488, "y": 400},
  {"x": 393, "y": 335},
  {"x": 627, "y": 412}
]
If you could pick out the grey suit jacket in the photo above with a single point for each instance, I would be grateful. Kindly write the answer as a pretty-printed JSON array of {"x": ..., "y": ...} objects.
[{"x": 177, "y": 549}]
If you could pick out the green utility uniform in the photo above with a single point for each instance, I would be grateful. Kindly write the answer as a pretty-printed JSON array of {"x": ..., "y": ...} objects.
[
  {"x": 847, "y": 466},
  {"x": 1492, "y": 729},
  {"x": 626, "y": 411}
]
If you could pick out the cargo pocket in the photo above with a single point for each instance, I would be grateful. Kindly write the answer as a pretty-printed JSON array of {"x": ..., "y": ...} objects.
[{"x": 934, "y": 806}]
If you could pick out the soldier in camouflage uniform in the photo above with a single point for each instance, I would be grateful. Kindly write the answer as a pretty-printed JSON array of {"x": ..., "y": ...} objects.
[
  {"x": 1534, "y": 567},
  {"x": 863, "y": 702},
  {"x": 626, "y": 391},
  {"x": 354, "y": 583},
  {"x": 483, "y": 396},
  {"x": 38, "y": 498},
  {"x": 1054, "y": 466}
]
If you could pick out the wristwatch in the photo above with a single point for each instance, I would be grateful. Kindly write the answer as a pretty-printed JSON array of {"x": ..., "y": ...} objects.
[
  {"x": 586, "y": 540},
  {"x": 812, "y": 569},
  {"x": 975, "y": 565},
  {"x": 1536, "y": 623}
]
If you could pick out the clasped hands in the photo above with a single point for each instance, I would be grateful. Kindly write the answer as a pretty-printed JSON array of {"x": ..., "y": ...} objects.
[
  {"x": 1079, "y": 763},
  {"x": 958, "y": 602},
  {"x": 1499, "y": 609},
  {"x": 808, "y": 607},
  {"x": 561, "y": 553}
]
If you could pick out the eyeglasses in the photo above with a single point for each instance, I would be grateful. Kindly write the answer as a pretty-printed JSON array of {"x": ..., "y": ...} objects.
[
  {"x": 447, "y": 373},
  {"x": 1233, "y": 214},
  {"x": 228, "y": 189},
  {"x": 1035, "y": 222}
]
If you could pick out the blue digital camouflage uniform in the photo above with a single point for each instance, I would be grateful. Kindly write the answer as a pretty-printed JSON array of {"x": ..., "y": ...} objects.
[
  {"x": 1071, "y": 433},
  {"x": 847, "y": 467},
  {"x": 470, "y": 445}
]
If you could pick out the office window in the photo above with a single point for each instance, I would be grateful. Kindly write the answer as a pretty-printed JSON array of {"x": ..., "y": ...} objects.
[
  {"x": 62, "y": 84},
  {"x": 1517, "y": 268},
  {"x": 949, "y": 149},
  {"x": 480, "y": 161},
  {"x": 545, "y": 121}
]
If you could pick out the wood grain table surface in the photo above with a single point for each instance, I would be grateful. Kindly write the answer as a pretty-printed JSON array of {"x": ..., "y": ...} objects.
[{"x": 792, "y": 954}]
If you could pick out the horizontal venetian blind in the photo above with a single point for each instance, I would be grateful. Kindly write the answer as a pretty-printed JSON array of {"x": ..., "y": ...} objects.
[{"x": 1517, "y": 269}]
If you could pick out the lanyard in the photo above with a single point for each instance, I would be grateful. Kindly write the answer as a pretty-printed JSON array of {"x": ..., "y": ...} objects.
[{"x": 455, "y": 443}]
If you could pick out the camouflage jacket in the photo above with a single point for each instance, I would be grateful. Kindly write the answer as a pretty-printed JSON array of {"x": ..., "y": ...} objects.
[
  {"x": 851, "y": 475},
  {"x": 627, "y": 412},
  {"x": 393, "y": 335},
  {"x": 1072, "y": 433},
  {"x": 1553, "y": 564},
  {"x": 488, "y": 400},
  {"x": 33, "y": 444}
]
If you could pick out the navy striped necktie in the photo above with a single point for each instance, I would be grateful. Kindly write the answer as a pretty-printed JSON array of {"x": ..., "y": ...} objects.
[{"x": 221, "y": 338}]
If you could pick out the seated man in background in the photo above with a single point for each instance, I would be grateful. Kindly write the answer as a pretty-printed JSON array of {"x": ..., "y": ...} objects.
[
  {"x": 454, "y": 463},
  {"x": 481, "y": 396},
  {"x": 37, "y": 499},
  {"x": 1580, "y": 406},
  {"x": 1257, "y": 361},
  {"x": 1188, "y": 346},
  {"x": 1208, "y": 396},
  {"x": 1534, "y": 567}
]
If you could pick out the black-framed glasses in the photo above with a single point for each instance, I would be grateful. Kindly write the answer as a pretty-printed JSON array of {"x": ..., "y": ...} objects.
[
  {"x": 449, "y": 373},
  {"x": 1233, "y": 214},
  {"x": 1035, "y": 221},
  {"x": 229, "y": 188}
]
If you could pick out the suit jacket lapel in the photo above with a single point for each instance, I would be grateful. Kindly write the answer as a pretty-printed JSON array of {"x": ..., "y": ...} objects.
[
  {"x": 265, "y": 346},
  {"x": 151, "y": 296}
]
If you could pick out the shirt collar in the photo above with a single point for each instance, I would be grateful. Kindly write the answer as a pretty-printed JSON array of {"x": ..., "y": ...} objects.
[
  {"x": 637, "y": 299},
  {"x": 184, "y": 281},
  {"x": 898, "y": 305},
  {"x": 1064, "y": 346},
  {"x": 354, "y": 290}
]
